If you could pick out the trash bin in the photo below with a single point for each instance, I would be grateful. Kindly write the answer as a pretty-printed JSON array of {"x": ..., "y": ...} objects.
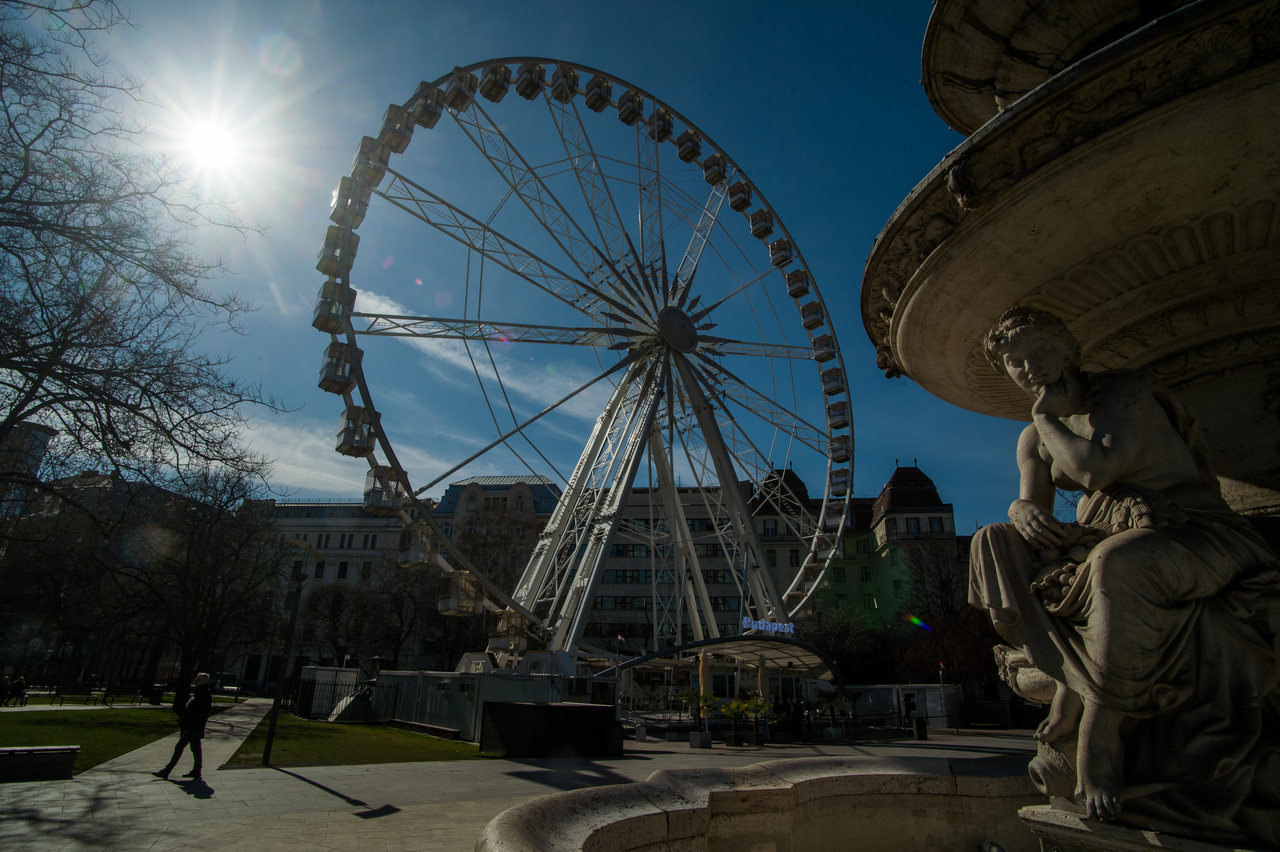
[
  {"x": 918, "y": 723},
  {"x": 156, "y": 694}
]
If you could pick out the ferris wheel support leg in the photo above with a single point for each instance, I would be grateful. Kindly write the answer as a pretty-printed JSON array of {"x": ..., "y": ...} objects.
[
  {"x": 768, "y": 603},
  {"x": 572, "y": 618},
  {"x": 701, "y": 618}
]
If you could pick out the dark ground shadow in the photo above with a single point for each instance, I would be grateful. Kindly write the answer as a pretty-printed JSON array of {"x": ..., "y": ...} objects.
[
  {"x": 571, "y": 776},
  {"x": 197, "y": 788},
  {"x": 27, "y": 812},
  {"x": 368, "y": 813}
]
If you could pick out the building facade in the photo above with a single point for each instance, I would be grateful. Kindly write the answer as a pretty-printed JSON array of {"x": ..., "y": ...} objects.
[{"x": 873, "y": 580}]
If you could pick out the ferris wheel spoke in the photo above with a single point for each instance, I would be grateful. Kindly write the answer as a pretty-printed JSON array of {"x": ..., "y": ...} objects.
[
  {"x": 390, "y": 325},
  {"x": 522, "y": 179},
  {"x": 521, "y": 427},
  {"x": 717, "y": 346},
  {"x": 565, "y": 565},
  {"x": 424, "y": 204},
  {"x": 653, "y": 254},
  {"x": 680, "y": 285},
  {"x": 743, "y": 287},
  {"x": 745, "y": 395},
  {"x": 596, "y": 191}
]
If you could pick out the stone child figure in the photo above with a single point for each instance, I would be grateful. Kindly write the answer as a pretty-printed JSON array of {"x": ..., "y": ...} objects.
[{"x": 1149, "y": 612}]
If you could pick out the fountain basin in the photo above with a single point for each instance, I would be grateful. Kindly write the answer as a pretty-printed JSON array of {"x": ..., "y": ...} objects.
[{"x": 876, "y": 804}]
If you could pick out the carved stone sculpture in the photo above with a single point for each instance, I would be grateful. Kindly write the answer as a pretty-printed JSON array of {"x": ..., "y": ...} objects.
[{"x": 1149, "y": 613}]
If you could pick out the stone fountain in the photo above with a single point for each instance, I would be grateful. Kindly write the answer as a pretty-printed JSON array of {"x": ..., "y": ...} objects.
[{"x": 1122, "y": 174}]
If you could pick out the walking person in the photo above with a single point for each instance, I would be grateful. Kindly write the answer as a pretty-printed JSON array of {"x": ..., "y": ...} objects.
[{"x": 194, "y": 716}]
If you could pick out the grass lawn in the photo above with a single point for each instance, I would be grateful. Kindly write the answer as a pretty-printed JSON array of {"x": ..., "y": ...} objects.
[
  {"x": 299, "y": 742},
  {"x": 101, "y": 734}
]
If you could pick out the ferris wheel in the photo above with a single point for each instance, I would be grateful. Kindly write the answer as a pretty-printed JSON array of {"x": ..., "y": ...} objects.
[{"x": 610, "y": 303}]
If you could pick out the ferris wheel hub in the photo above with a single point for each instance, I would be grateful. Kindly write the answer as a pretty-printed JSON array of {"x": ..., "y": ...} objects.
[{"x": 677, "y": 330}]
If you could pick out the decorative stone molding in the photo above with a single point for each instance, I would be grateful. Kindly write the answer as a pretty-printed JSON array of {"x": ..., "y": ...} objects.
[
  {"x": 978, "y": 57},
  {"x": 1190, "y": 301},
  {"x": 1198, "y": 46}
]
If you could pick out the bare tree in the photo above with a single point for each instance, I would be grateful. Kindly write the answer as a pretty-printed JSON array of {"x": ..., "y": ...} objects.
[
  {"x": 102, "y": 293},
  {"x": 213, "y": 572},
  {"x": 407, "y": 604},
  {"x": 194, "y": 566},
  {"x": 342, "y": 618},
  {"x": 953, "y": 638}
]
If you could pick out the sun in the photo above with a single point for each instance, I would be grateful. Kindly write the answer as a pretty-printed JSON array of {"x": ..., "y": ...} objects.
[{"x": 213, "y": 148}]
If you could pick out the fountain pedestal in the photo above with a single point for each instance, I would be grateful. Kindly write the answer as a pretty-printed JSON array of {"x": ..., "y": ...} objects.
[{"x": 1062, "y": 831}]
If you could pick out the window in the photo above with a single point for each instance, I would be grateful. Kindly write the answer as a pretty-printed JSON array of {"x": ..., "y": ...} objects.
[
  {"x": 891, "y": 527},
  {"x": 868, "y": 602},
  {"x": 297, "y": 570},
  {"x": 864, "y": 547},
  {"x": 717, "y": 576},
  {"x": 366, "y": 570},
  {"x": 626, "y": 575},
  {"x": 623, "y": 602},
  {"x": 373, "y": 541},
  {"x": 793, "y": 558},
  {"x": 322, "y": 540},
  {"x": 519, "y": 501},
  {"x": 913, "y": 526},
  {"x": 704, "y": 551},
  {"x": 771, "y": 556},
  {"x": 770, "y": 526},
  {"x": 342, "y": 570},
  {"x": 841, "y": 601},
  {"x": 319, "y": 574},
  {"x": 631, "y": 551},
  {"x": 838, "y": 575},
  {"x": 723, "y": 603},
  {"x": 866, "y": 573},
  {"x": 935, "y": 526},
  {"x": 342, "y": 541},
  {"x": 893, "y": 558},
  {"x": 364, "y": 544}
]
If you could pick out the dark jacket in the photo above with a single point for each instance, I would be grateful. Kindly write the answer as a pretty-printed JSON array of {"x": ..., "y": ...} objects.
[{"x": 197, "y": 710}]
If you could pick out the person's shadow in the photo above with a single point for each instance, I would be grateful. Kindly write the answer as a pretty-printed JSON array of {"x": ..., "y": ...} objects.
[{"x": 196, "y": 788}]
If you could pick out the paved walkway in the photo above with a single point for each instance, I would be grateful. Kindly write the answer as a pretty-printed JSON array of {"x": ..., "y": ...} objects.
[{"x": 444, "y": 806}]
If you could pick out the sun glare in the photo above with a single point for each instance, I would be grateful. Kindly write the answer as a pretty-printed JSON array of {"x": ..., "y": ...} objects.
[{"x": 213, "y": 148}]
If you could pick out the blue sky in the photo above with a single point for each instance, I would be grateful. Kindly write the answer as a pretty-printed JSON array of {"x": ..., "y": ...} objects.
[{"x": 819, "y": 103}]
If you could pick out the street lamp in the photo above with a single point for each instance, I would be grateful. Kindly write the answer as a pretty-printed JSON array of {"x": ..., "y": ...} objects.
[{"x": 295, "y": 596}]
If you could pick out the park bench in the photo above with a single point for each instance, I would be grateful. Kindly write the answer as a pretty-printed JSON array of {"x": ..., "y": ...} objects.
[
  {"x": 83, "y": 694},
  {"x": 37, "y": 763}
]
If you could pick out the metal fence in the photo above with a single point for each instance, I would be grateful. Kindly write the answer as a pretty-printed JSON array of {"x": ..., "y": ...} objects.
[
  {"x": 339, "y": 699},
  {"x": 454, "y": 701}
]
